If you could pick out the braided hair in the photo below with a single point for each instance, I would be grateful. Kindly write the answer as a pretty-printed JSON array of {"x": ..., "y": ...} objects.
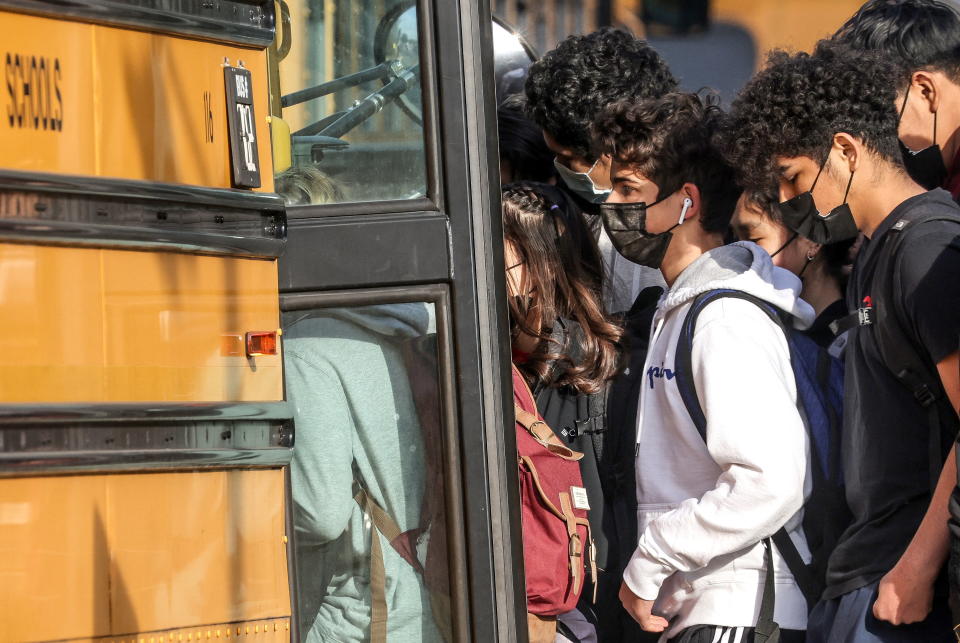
[{"x": 559, "y": 282}]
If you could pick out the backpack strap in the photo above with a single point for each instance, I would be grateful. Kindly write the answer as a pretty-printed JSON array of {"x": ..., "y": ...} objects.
[
  {"x": 575, "y": 546},
  {"x": 538, "y": 429},
  {"x": 543, "y": 434},
  {"x": 378, "y": 570},
  {"x": 903, "y": 359},
  {"x": 683, "y": 371},
  {"x": 403, "y": 542},
  {"x": 809, "y": 586},
  {"x": 595, "y": 422},
  {"x": 766, "y": 629},
  {"x": 683, "y": 368}
]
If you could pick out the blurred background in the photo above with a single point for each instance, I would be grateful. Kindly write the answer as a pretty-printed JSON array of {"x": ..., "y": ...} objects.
[{"x": 708, "y": 43}]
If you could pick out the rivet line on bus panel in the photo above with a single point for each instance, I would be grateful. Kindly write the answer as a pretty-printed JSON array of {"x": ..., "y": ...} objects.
[{"x": 210, "y": 633}]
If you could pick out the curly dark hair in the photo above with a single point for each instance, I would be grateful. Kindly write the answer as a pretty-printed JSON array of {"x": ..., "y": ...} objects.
[
  {"x": 568, "y": 86},
  {"x": 912, "y": 34},
  {"x": 670, "y": 142},
  {"x": 564, "y": 283},
  {"x": 797, "y": 103}
]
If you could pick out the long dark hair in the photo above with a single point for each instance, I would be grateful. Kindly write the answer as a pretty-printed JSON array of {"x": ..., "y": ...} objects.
[{"x": 563, "y": 282}]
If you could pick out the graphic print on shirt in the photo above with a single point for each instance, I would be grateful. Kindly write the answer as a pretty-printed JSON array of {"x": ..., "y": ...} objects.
[{"x": 659, "y": 373}]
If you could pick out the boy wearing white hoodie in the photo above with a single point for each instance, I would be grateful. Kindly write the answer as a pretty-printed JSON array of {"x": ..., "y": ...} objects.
[{"x": 706, "y": 504}]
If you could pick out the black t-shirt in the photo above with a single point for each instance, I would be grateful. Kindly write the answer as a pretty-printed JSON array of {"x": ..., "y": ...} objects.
[{"x": 886, "y": 450}]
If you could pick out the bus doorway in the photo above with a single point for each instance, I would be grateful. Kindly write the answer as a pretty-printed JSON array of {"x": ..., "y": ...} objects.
[{"x": 406, "y": 527}]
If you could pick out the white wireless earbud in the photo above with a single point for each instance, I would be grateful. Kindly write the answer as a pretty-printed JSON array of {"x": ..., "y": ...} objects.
[{"x": 687, "y": 202}]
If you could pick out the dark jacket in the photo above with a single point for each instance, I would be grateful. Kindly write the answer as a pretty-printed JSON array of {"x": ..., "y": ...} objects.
[{"x": 602, "y": 426}]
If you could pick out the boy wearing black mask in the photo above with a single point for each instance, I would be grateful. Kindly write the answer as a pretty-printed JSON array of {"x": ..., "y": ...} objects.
[
  {"x": 824, "y": 129},
  {"x": 707, "y": 501},
  {"x": 922, "y": 38},
  {"x": 565, "y": 90}
]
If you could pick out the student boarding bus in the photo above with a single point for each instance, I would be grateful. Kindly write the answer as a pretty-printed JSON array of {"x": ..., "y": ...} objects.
[{"x": 254, "y": 364}]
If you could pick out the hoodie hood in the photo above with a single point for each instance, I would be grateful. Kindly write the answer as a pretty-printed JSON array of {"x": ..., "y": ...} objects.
[
  {"x": 746, "y": 267},
  {"x": 390, "y": 320}
]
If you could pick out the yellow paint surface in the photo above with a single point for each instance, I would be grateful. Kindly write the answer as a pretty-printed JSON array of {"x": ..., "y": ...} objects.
[
  {"x": 83, "y": 557},
  {"x": 133, "y": 105},
  {"x": 795, "y": 25},
  {"x": 94, "y": 325}
]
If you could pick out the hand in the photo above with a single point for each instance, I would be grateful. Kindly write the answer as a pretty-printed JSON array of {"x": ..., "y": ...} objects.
[
  {"x": 641, "y": 611},
  {"x": 903, "y": 598}
]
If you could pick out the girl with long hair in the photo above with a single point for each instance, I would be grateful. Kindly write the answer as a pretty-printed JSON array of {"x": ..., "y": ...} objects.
[{"x": 567, "y": 350}]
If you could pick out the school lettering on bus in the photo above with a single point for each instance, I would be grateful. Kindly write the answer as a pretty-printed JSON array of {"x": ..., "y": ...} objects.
[
  {"x": 241, "y": 122},
  {"x": 34, "y": 97}
]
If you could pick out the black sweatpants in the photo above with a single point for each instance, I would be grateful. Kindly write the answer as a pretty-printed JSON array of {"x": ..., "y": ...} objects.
[{"x": 721, "y": 634}]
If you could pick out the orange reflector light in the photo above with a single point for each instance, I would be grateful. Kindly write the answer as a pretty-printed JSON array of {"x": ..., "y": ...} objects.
[{"x": 261, "y": 343}]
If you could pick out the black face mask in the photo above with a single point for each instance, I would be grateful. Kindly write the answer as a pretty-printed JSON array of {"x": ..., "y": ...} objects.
[
  {"x": 626, "y": 223},
  {"x": 801, "y": 215},
  {"x": 926, "y": 166}
]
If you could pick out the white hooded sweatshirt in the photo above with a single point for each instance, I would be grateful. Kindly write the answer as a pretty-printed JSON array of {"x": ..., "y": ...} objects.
[{"x": 704, "y": 508}]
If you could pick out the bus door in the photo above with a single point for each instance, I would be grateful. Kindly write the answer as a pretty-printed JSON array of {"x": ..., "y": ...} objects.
[
  {"x": 396, "y": 355},
  {"x": 144, "y": 437}
]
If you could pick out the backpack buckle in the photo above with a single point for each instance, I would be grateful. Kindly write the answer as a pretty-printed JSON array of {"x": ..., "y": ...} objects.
[
  {"x": 588, "y": 426},
  {"x": 924, "y": 396}
]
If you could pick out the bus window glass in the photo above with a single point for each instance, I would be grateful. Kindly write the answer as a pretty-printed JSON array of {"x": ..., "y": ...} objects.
[
  {"x": 367, "y": 473},
  {"x": 352, "y": 100}
]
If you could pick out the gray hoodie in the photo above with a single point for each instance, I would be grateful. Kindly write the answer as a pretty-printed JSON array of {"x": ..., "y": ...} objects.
[
  {"x": 355, "y": 418},
  {"x": 703, "y": 508}
]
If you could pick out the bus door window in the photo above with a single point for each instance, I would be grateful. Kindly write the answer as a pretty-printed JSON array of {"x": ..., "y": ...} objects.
[
  {"x": 367, "y": 474},
  {"x": 352, "y": 101}
]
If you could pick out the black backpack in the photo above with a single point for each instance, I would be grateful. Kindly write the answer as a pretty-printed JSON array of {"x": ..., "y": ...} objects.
[
  {"x": 884, "y": 310},
  {"x": 819, "y": 381}
]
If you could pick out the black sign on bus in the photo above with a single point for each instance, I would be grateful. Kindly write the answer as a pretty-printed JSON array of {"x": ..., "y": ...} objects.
[{"x": 241, "y": 121}]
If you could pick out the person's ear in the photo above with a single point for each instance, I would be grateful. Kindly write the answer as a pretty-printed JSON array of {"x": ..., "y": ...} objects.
[
  {"x": 692, "y": 192},
  {"x": 925, "y": 85},
  {"x": 807, "y": 247},
  {"x": 847, "y": 151}
]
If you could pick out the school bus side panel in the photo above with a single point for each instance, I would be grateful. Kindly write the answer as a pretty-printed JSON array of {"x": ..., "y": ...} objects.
[
  {"x": 92, "y": 325},
  {"x": 101, "y": 101},
  {"x": 108, "y": 555}
]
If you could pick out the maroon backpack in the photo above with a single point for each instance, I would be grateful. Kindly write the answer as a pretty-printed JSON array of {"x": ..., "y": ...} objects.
[{"x": 556, "y": 533}]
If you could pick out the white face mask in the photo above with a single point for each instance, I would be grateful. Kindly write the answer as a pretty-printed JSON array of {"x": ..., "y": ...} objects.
[{"x": 581, "y": 183}]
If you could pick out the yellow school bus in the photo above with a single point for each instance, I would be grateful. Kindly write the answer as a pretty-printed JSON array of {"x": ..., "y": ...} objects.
[
  {"x": 143, "y": 432},
  {"x": 183, "y": 185},
  {"x": 148, "y": 278}
]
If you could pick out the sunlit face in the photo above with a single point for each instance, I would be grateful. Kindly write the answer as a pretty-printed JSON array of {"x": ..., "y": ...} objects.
[
  {"x": 598, "y": 169},
  {"x": 798, "y": 174},
  {"x": 516, "y": 271},
  {"x": 750, "y": 223},
  {"x": 632, "y": 187},
  {"x": 786, "y": 249}
]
